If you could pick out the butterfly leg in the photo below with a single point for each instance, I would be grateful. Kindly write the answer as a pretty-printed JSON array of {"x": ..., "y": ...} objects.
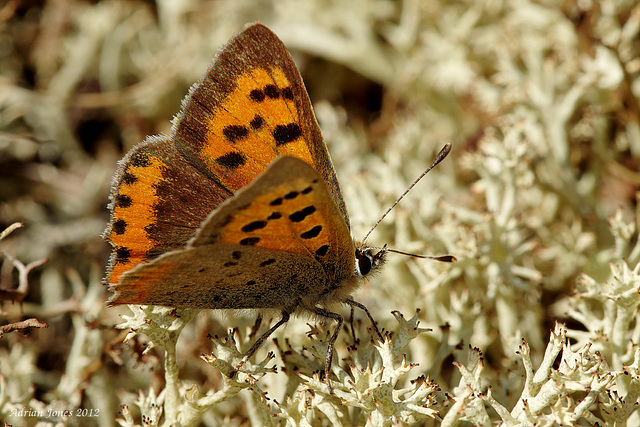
[
  {"x": 353, "y": 329},
  {"x": 259, "y": 341},
  {"x": 353, "y": 303},
  {"x": 332, "y": 340}
]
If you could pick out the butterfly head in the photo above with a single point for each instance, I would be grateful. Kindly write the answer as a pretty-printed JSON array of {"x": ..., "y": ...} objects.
[{"x": 369, "y": 259}]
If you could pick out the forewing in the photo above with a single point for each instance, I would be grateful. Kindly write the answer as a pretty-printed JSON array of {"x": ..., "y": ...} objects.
[
  {"x": 287, "y": 209},
  {"x": 250, "y": 107}
]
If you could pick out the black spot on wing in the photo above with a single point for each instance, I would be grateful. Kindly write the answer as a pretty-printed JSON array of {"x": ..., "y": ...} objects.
[
  {"x": 267, "y": 262},
  {"x": 287, "y": 93},
  {"x": 313, "y": 232},
  {"x": 128, "y": 178},
  {"x": 123, "y": 201},
  {"x": 235, "y": 133},
  {"x": 300, "y": 215},
  {"x": 123, "y": 254},
  {"x": 257, "y": 122},
  {"x": 119, "y": 226},
  {"x": 284, "y": 134},
  {"x": 249, "y": 241},
  {"x": 257, "y": 95},
  {"x": 253, "y": 226},
  {"x": 231, "y": 160},
  {"x": 322, "y": 250},
  {"x": 271, "y": 91},
  {"x": 274, "y": 215}
]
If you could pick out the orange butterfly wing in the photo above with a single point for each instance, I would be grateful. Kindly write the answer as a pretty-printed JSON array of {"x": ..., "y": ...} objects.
[{"x": 250, "y": 107}]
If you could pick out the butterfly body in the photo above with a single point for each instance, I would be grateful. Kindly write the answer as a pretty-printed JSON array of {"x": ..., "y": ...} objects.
[{"x": 240, "y": 206}]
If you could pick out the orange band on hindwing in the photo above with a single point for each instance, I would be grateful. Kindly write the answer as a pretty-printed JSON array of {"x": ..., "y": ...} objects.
[{"x": 158, "y": 201}]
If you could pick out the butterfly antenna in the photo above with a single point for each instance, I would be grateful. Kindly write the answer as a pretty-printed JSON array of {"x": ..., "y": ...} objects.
[
  {"x": 441, "y": 258},
  {"x": 440, "y": 157}
]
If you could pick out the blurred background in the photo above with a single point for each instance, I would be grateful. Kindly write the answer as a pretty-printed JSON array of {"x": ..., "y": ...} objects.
[{"x": 537, "y": 200}]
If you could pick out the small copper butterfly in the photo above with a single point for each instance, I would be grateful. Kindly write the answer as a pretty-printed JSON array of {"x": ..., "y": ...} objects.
[{"x": 240, "y": 207}]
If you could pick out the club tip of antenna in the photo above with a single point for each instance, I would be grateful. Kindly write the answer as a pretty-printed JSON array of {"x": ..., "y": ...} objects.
[{"x": 445, "y": 258}]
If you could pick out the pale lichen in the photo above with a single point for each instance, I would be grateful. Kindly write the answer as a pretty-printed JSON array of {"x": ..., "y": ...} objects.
[{"x": 538, "y": 201}]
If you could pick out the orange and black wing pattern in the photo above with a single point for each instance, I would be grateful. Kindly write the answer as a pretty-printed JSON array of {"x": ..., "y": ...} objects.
[
  {"x": 250, "y": 107},
  {"x": 158, "y": 201},
  {"x": 279, "y": 242}
]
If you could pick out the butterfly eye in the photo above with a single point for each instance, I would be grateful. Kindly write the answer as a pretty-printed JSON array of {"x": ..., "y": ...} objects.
[
  {"x": 364, "y": 263},
  {"x": 368, "y": 261}
]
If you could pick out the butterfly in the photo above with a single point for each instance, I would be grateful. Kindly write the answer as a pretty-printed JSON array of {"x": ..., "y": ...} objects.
[{"x": 239, "y": 207}]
